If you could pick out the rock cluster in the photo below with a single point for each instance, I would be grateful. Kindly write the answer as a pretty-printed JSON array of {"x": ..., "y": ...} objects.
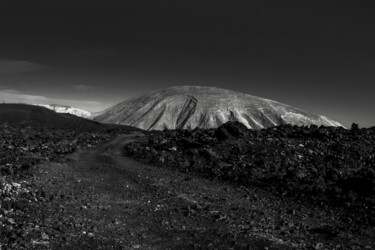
[
  {"x": 331, "y": 166},
  {"x": 13, "y": 196},
  {"x": 21, "y": 148}
]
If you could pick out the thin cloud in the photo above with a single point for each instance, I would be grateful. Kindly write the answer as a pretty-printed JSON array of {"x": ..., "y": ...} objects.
[
  {"x": 83, "y": 87},
  {"x": 81, "y": 54},
  {"x": 14, "y": 96},
  {"x": 13, "y": 91},
  {"x": 16, "y": 67}
]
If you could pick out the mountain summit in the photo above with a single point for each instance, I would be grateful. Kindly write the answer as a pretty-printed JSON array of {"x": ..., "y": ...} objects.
[{"x": 205, "y": 107}]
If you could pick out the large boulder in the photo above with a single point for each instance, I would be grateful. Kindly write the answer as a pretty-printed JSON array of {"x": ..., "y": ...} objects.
[{"x": 230, "y": 130}]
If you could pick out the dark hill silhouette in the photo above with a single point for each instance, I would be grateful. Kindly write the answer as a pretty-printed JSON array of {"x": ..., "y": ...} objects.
[{"x": 34, "y": 116}]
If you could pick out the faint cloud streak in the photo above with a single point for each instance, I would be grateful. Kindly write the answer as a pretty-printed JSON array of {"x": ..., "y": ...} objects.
[
  {"x": 82, "y": 87},
  {"x": 16, "y": 67},
  {"x": 15, "y": 96}
]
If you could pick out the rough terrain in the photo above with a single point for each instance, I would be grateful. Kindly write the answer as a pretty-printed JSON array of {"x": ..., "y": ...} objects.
[
  {"x": 226, "y": 188},
  {"x": 29, "y": 136},
  {"x": 97, "y": 199},
  {"x": 324, "y": 176}
]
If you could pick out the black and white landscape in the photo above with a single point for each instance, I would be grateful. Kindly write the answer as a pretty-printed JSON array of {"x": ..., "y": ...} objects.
[{"x": 187, "y": 125}]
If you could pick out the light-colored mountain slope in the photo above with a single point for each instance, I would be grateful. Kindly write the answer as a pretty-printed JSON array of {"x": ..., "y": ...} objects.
[
  {"x": 67, "y": 109},
  {"x": 204, "y": 107}
]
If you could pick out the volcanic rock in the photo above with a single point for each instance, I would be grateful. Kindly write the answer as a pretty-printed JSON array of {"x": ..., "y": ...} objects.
[{"x": 230, "y": 130}]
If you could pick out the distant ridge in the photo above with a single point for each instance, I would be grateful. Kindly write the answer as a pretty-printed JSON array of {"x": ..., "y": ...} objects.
[
  {"x": 183, "y": 107},
  {"x": 67, "y": 109},
  {"x": 36, "y": 116}
]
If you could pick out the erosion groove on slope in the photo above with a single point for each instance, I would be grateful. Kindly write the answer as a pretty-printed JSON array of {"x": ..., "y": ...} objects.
[
  {"x": 186, "y": 112},
  {"x": 149, "y": 110},
  {"x": 158, "y": 118}
]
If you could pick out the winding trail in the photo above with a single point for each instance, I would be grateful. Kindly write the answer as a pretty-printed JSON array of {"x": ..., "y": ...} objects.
[{"x": 99, "y": 199}]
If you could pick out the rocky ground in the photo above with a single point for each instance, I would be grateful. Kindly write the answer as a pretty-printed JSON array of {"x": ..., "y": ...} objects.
[
  {"x": 98, "y": 199},
  {"x": 21, "y": 149},
  {"x": 321, "y": 178},
  {"x": 228, "y": 188}
]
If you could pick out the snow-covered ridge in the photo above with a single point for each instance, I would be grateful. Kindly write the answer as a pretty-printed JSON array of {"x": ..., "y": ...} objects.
[{"x": 66, "y": 109}]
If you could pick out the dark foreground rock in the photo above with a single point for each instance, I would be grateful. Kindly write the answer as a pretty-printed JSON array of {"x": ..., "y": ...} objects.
[
  {"x": 21, "y": 148},
  {"x": 331, "y": 169},
  {"x": 230, "y": 130},
  {"x": 101, "y": 200},
  {"x": 281, "y": 188}
]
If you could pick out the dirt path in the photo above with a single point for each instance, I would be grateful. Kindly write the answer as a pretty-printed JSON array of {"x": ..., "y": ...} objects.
[{"x": 102, "y": 200}]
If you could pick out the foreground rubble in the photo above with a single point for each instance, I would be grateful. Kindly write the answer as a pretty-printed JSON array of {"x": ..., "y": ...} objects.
[
  {"x": 21, "y": 148},
  {"x": 330, "y": 170},
  {"x": 281, "y": 188}
]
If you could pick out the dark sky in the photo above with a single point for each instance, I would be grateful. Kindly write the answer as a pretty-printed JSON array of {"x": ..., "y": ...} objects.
[{"x": 316, "y": 55}]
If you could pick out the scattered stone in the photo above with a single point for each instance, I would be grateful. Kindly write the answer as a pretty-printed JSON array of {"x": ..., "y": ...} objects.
[
  {"x": 319, "y": 246},
  {"x": 45, "y": 236}
]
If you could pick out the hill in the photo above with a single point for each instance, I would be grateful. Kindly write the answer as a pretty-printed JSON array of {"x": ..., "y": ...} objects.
[
  {"x": 35, "y": 116},
  {"x": 184, "y": 107}
]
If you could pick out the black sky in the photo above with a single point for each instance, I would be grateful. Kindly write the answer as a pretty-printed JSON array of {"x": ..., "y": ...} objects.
[{"x": 315, "y": 55}]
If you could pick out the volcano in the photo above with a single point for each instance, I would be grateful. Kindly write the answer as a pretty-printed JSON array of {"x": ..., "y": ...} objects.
[{"x": 189, "y": 107}]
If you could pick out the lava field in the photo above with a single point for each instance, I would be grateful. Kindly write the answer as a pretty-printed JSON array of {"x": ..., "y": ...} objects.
[
  {"x": 332, "y": 168},
  {"x": 22, "y": 148}
]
